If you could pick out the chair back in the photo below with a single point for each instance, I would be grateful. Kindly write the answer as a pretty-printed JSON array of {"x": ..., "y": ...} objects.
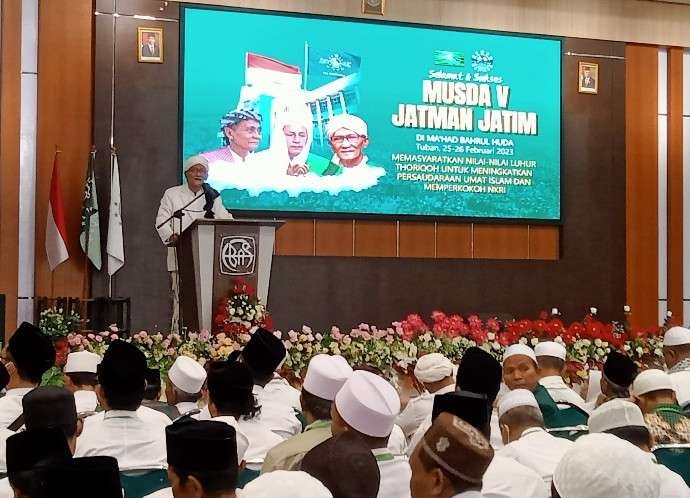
[
  {"x": 141, "y": 483},
  {"x": 676, "y": 457},
  {"x": 246, "y": 476}
]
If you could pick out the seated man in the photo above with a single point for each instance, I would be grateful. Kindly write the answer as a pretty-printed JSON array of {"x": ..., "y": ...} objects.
[
  {"x": 152, "y": 395},
  {"x": 28, "y": 355},
  {"x": 624, "y": 419},
  {"x": 604, "y": 466},
  {"x": 677, "y": 358},
  {"x": 285, "y": 484},
  {"x": 29, "y": 455},
  {"x": 80, "y": 377},
  {"x": 450, "y": 461},
  {"x": 344, "y": 454},
  {"x": 434, "y": 373},
  {"x": 522, "y": 429},
  {"x": 136, "y": 443},
  {"x": 231, "y": 401},
  {"x": 325, "y": 376},
  {"x": 186, "y": 378},
  {"x": 263, "y": 355},
  {"x": 551, "y": 361},
  {"x": 368, "y": 406},
  {"x": 83, "y": 478},
  {"x": 655, "y": 394}
]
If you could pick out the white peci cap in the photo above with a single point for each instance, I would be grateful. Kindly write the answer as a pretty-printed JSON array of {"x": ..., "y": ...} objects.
[
  {"x": 82, "y": 361},
  {"x": 187, "y": 375},
  {"x": 326, "y": 375},
  {"x": 286, "y": 484},
  {"x": 550, "y": 348},
  {"x": 433, "y": 367},
  {"x": 615, "y": 414},
  {"x": 519, "y": 349},
  {"x": 368, "y": 404},
  {"x": 193, "y": 161},
  {"x": 651, "y": 380},
  {"x": 676, "y": 336},
  {"x": 516, "y": 398}
]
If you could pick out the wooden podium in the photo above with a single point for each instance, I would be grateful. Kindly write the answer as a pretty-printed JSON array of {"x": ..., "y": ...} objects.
[{"x": 212, "y": 254}]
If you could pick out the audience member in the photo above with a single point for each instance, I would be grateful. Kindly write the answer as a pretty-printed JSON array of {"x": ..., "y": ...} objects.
[
  {"x": 83, "y": 478},
  {"x": 285, "y": 484},
  {"x": 617, "y": 376},
  {"x": 80, "y": 377},
  {"x": 677, "y": 357},
  {"x": 152, "y": 395},
  {"x": 551, "y": 360},
  {"x": 186, "y": 379}
]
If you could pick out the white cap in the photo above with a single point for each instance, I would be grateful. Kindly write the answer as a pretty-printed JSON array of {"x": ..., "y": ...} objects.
[
  {"x": 651, "y": 380},
  {"x": 519, "y": 349},
  {"x": 82, "y": 361},
  {"x": 433, "y": 367},
  {"x": 550, "y": 348},
  {"x": 286, "y": 484},
  {"x": 187, "y": 375},
  {"x": 326, "y": 375},
  {"x": 347, "y": 121},
  {"x": 615, "y": 414},
  {"x": 677, "y": 336},
  {"x": 368, "y": 403},
  {"x": 516, "y": 398},
  {"x": 604, "y": 466},
  {"x": 193, "y": 161}
]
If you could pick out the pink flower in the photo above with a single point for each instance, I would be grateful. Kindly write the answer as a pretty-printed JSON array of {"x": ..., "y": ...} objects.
[
  {"x": 91, "y": 336},
  {"x": 99, "y": 338},
  {"x": 114, "y": 337}
]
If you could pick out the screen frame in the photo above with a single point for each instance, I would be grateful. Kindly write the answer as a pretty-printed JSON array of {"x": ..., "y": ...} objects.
[{"x": 274, "y": 214}]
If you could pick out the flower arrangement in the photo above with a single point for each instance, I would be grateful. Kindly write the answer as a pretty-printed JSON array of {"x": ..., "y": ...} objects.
[
  {"x": 241, "y": 311},
  {"x": 58, "y": 323},
  {"x": 395, "y": 349}
]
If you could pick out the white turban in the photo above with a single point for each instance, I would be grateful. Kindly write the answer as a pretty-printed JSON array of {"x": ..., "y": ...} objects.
[
  {"x": 193, "y": 161},
  {"x": 433, "y": 367},
  {"x": 605, "y": 466},
  {"x": 285, "y": 484},
  {"x": 347, "y": 121}
]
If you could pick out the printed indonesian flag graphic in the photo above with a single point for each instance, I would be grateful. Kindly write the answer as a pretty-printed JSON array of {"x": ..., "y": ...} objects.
[
  {"x": 265, "y": 71},
  {"x": 56, "y": 230}
]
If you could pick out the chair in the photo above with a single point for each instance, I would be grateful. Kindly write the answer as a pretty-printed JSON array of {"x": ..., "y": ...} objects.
[
  {"x": 571, "y": 433},
  {"x": 676, "y": 457},
  {"x": 245, "y": 477},
  {"x": 140, "y": 483}
]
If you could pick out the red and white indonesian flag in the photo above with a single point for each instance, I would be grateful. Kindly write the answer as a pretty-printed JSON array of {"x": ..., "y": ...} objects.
[
  {"x": 264, "y": 71},
  {"x": 56, "y": 229}
]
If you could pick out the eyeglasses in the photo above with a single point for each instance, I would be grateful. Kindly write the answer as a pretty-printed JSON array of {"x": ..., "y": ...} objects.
[
  {"x": 194, "y": 170},
  {"x": 352, "y": 138}
]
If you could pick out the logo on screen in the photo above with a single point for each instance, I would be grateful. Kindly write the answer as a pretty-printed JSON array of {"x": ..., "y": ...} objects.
[
  {"x": 482, "y": 61},
  {"x": 449, "y": 58},
  {"x": 336, "y": 62},
  {"x": 237, "y": 255}
]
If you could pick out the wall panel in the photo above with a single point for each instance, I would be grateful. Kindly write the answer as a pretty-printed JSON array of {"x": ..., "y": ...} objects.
[
  {"x": 334, "y": 238},
  {"x": 417, "y": 239},
  {"x": 376, "y": 238},
  {"x": 296, "y": 238},
  {"x": 501, "y": 241}
]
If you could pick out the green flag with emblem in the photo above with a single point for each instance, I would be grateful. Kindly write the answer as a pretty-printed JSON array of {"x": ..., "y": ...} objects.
[{"x": 90, "y": 234}]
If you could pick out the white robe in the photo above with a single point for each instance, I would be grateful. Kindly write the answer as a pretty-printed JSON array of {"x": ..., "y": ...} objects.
[
  {"x": 11, "y": 405},
  {"x": 175, "y": 198},
  {"x": 672, "y": 485},
  {"x": 86, "y": 401},
  {"x": 186, "y": 407},
  {"x": 6, "y": 490},
  {"x": 506, "y": 478},
  {"x": 282, "y": 390},
  {"x": 260, "y": 438},
  {"x": 415, "y": 412},
  {"x": 277, "y": 414},
  {"x": 681, "y": 381},
  {"x": 538, "y": 450},
  {"x": 137, "y": 443},
  {"x": 395, "y": 474}
]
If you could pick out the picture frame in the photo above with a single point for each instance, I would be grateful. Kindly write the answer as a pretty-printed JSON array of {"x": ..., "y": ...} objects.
[
  {"x": 150, "y": 44},
  {"x": 376, "y": 7},
  {"x": 588, "y": 77}
]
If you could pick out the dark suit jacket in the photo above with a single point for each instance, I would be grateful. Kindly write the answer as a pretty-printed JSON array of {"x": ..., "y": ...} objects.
[
  {"x": 588, "y": 84},
  {"x": 146, "y": 51}
]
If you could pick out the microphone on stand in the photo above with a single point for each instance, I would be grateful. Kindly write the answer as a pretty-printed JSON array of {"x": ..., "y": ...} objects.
[{"x": 211, "y": 195}]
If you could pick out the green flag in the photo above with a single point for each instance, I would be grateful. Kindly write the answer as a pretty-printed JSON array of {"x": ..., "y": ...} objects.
[{"x": 90, "y": 235}]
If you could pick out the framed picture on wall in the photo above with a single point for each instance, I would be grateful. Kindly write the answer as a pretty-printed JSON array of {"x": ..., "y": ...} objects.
[
  {"x": 373, "y": 7},
  {"x": 588, "y": 77},
  {"x": 150, "y": 44}
]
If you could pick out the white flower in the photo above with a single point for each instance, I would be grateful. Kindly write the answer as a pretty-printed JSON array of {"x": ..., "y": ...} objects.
[
  {"x": 597, "y": 342},
  {"x": 491, "y": 336},
  {"x": 523, "y": 340},
  {"x": 534, "y": 341},
  {"x": 558, "y": 339},
  {"x": 626, "y": 347},
  {"x": 658, "y": 352},
  {"x": 639, "y": 350},
  {"x": 669, "y": 313},
  {"x": 554, "y": 311},
  {"x": 626, "y": 309}
]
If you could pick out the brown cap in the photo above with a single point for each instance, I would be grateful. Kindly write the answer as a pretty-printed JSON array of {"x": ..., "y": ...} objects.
[{"x": 457, "y": 448}]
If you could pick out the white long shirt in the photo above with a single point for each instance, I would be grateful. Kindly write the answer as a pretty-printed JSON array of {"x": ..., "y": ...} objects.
[
  {"x": 506, "y": 478},
  {"x": 86, "y": 401},
  {"x": 395, "y": 474},
  {"x": 4, "y": 434},
  {"x": 417, "y": 409},
  {"x": 186, "y": 407},
  {"x": 277, "y": 414},
  {"x": 426, "y": 423},
  {"x": 261, "y": 439},
  {"x": 561, "y": 393},
  {"x": 672, "y": 485},
  {"x": 6, "y": 490},
  {"x": 175, "y": 198},
  {"x": 11, "y": 405},
  {"x": 538, "y": 450},
  {"x": 137, "y": 443},
  {"x": 281, "y": 388}
]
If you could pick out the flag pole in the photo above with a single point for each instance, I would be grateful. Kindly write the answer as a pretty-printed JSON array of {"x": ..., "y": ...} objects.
[
  {"x": 85, "y": 277},
  {"x": 112, "y": 129},
  {"x": 52, "y": 272},
  {"x": 306, "y": 65}
]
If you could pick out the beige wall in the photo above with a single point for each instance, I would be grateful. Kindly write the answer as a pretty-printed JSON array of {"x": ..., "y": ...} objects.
[{"x": 639, "y": 21}]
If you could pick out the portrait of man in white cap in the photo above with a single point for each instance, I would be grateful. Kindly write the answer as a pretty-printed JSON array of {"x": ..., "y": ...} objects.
[
  {"x": 348, "y": 137},
  {"x": 192, "y": 200},
  {"x": 240, "y": 132}
]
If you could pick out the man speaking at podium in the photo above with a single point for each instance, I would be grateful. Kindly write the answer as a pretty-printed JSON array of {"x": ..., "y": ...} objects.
[{"x": 180, "y": 206}]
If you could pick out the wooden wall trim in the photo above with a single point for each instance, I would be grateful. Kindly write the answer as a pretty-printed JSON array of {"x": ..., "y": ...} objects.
[
  {"x": 65, "y": 93},
  {"x": 674, "y": 279},
  {"x": 10, "y": 94},
  {"x": 641, "y": 139}
]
